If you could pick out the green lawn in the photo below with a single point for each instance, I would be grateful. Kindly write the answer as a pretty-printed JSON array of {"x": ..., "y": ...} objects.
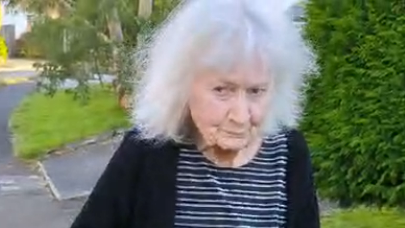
[
  {"x": 42, "y": 123},
  {"x": 365, "y": 218}
]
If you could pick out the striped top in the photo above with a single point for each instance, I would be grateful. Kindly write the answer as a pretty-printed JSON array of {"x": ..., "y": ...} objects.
[{"x": 251, "y": 196}]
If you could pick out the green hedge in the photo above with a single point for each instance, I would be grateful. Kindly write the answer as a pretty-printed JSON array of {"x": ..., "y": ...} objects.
[{"x": 355, "y": 116}]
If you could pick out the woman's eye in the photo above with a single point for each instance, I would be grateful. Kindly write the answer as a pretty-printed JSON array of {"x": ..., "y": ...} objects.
[
  {"x": 256, "y": 91},
  {"x": 220, "y": 89}
]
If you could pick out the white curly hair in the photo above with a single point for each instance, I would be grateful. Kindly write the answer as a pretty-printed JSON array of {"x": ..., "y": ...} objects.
[{"x": 220, "y": 34}]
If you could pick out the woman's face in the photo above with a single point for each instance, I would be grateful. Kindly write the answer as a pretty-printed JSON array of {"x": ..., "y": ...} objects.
[{"x": 228, "y": 109}]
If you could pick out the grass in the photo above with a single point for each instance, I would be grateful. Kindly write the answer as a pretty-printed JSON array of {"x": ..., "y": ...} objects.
[
  {"x": 363, "y": 217},
  {"x": 42, "y": 123}
]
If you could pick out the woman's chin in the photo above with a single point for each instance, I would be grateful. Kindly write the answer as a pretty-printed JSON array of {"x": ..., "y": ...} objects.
[{"x": 233, "y": 145}]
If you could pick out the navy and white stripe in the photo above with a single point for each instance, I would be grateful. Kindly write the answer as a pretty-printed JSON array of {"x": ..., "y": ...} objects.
[{"x": 251, "y": 196}]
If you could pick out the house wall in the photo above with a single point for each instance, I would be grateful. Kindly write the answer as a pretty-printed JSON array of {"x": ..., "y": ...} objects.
[{"x": 18, "y": 19}]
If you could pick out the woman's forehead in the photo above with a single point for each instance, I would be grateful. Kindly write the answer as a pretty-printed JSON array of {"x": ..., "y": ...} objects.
[
  {"x": 227, "y": 61},
  {"x": 238, "y": 75},
  {"x": 228, "y": 51}
]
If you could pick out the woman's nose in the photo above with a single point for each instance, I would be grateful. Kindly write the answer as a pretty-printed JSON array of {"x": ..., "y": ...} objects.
[{"x": 239, "y": 112}]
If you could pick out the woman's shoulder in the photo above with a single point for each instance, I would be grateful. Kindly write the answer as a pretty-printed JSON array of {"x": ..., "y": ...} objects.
[
  {"x": 298, "y": 151},
  {"x": 134, "y": 138},
  {"x": 295, "y": 138},
  {"x": 292, "y": 140},
  {"x": 134, "y": 147},
  {"x": 131, "y": 145},
  {"x": 291, "y": 137}
]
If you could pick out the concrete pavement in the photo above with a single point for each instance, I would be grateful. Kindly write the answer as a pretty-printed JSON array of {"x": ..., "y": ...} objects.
[
  {"x": 10, "y": 96},
  {"x": 17, "y": 77},
  {"x": 19, "y": 65},
  {"x": 35, "y": 208},
  {"x": 89, "y": 162},
  {"x": 25, "y": 200}
]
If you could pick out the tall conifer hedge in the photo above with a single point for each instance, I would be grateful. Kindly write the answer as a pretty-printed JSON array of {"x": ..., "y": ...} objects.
[{"x": 355, "y": 116}]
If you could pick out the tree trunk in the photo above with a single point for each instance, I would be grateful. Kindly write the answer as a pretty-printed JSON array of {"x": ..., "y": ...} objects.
[
  {"x": 117, "y": 36},
  {"x": 114, "y": 26},
  {"x": 145, "y": 8}
]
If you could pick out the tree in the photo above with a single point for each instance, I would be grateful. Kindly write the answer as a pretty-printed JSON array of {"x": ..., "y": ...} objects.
[
  {"x": 354, "y": 117},
  {"x": 90, "y": 37}
]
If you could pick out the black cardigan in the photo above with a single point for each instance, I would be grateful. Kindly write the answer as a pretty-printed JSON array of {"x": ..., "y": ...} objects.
[{"x": 138, "y": 187}]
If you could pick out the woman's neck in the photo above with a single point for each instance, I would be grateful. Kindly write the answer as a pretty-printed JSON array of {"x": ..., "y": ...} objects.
[{"x": 229, "y": 158}]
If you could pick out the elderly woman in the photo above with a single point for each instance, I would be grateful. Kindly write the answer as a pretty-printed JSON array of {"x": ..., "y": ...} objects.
[{"x": 215, "y": 143}]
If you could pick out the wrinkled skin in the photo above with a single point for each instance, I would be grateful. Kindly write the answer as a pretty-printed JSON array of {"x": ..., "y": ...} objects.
[{"x": 228, "y": 110}]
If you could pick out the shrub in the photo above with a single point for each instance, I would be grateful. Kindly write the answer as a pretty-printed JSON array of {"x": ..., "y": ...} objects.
[
  {"x": 25, "y": 48},
  {"x": 161, "y": 9},
  {"x": 78, "y": 45},
  {"x": 3, "y": 50},
  {"x": 355, "y": 114}
]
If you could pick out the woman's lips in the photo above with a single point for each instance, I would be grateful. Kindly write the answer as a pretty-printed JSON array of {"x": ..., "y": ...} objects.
[{"x": 236, "y": 134}]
